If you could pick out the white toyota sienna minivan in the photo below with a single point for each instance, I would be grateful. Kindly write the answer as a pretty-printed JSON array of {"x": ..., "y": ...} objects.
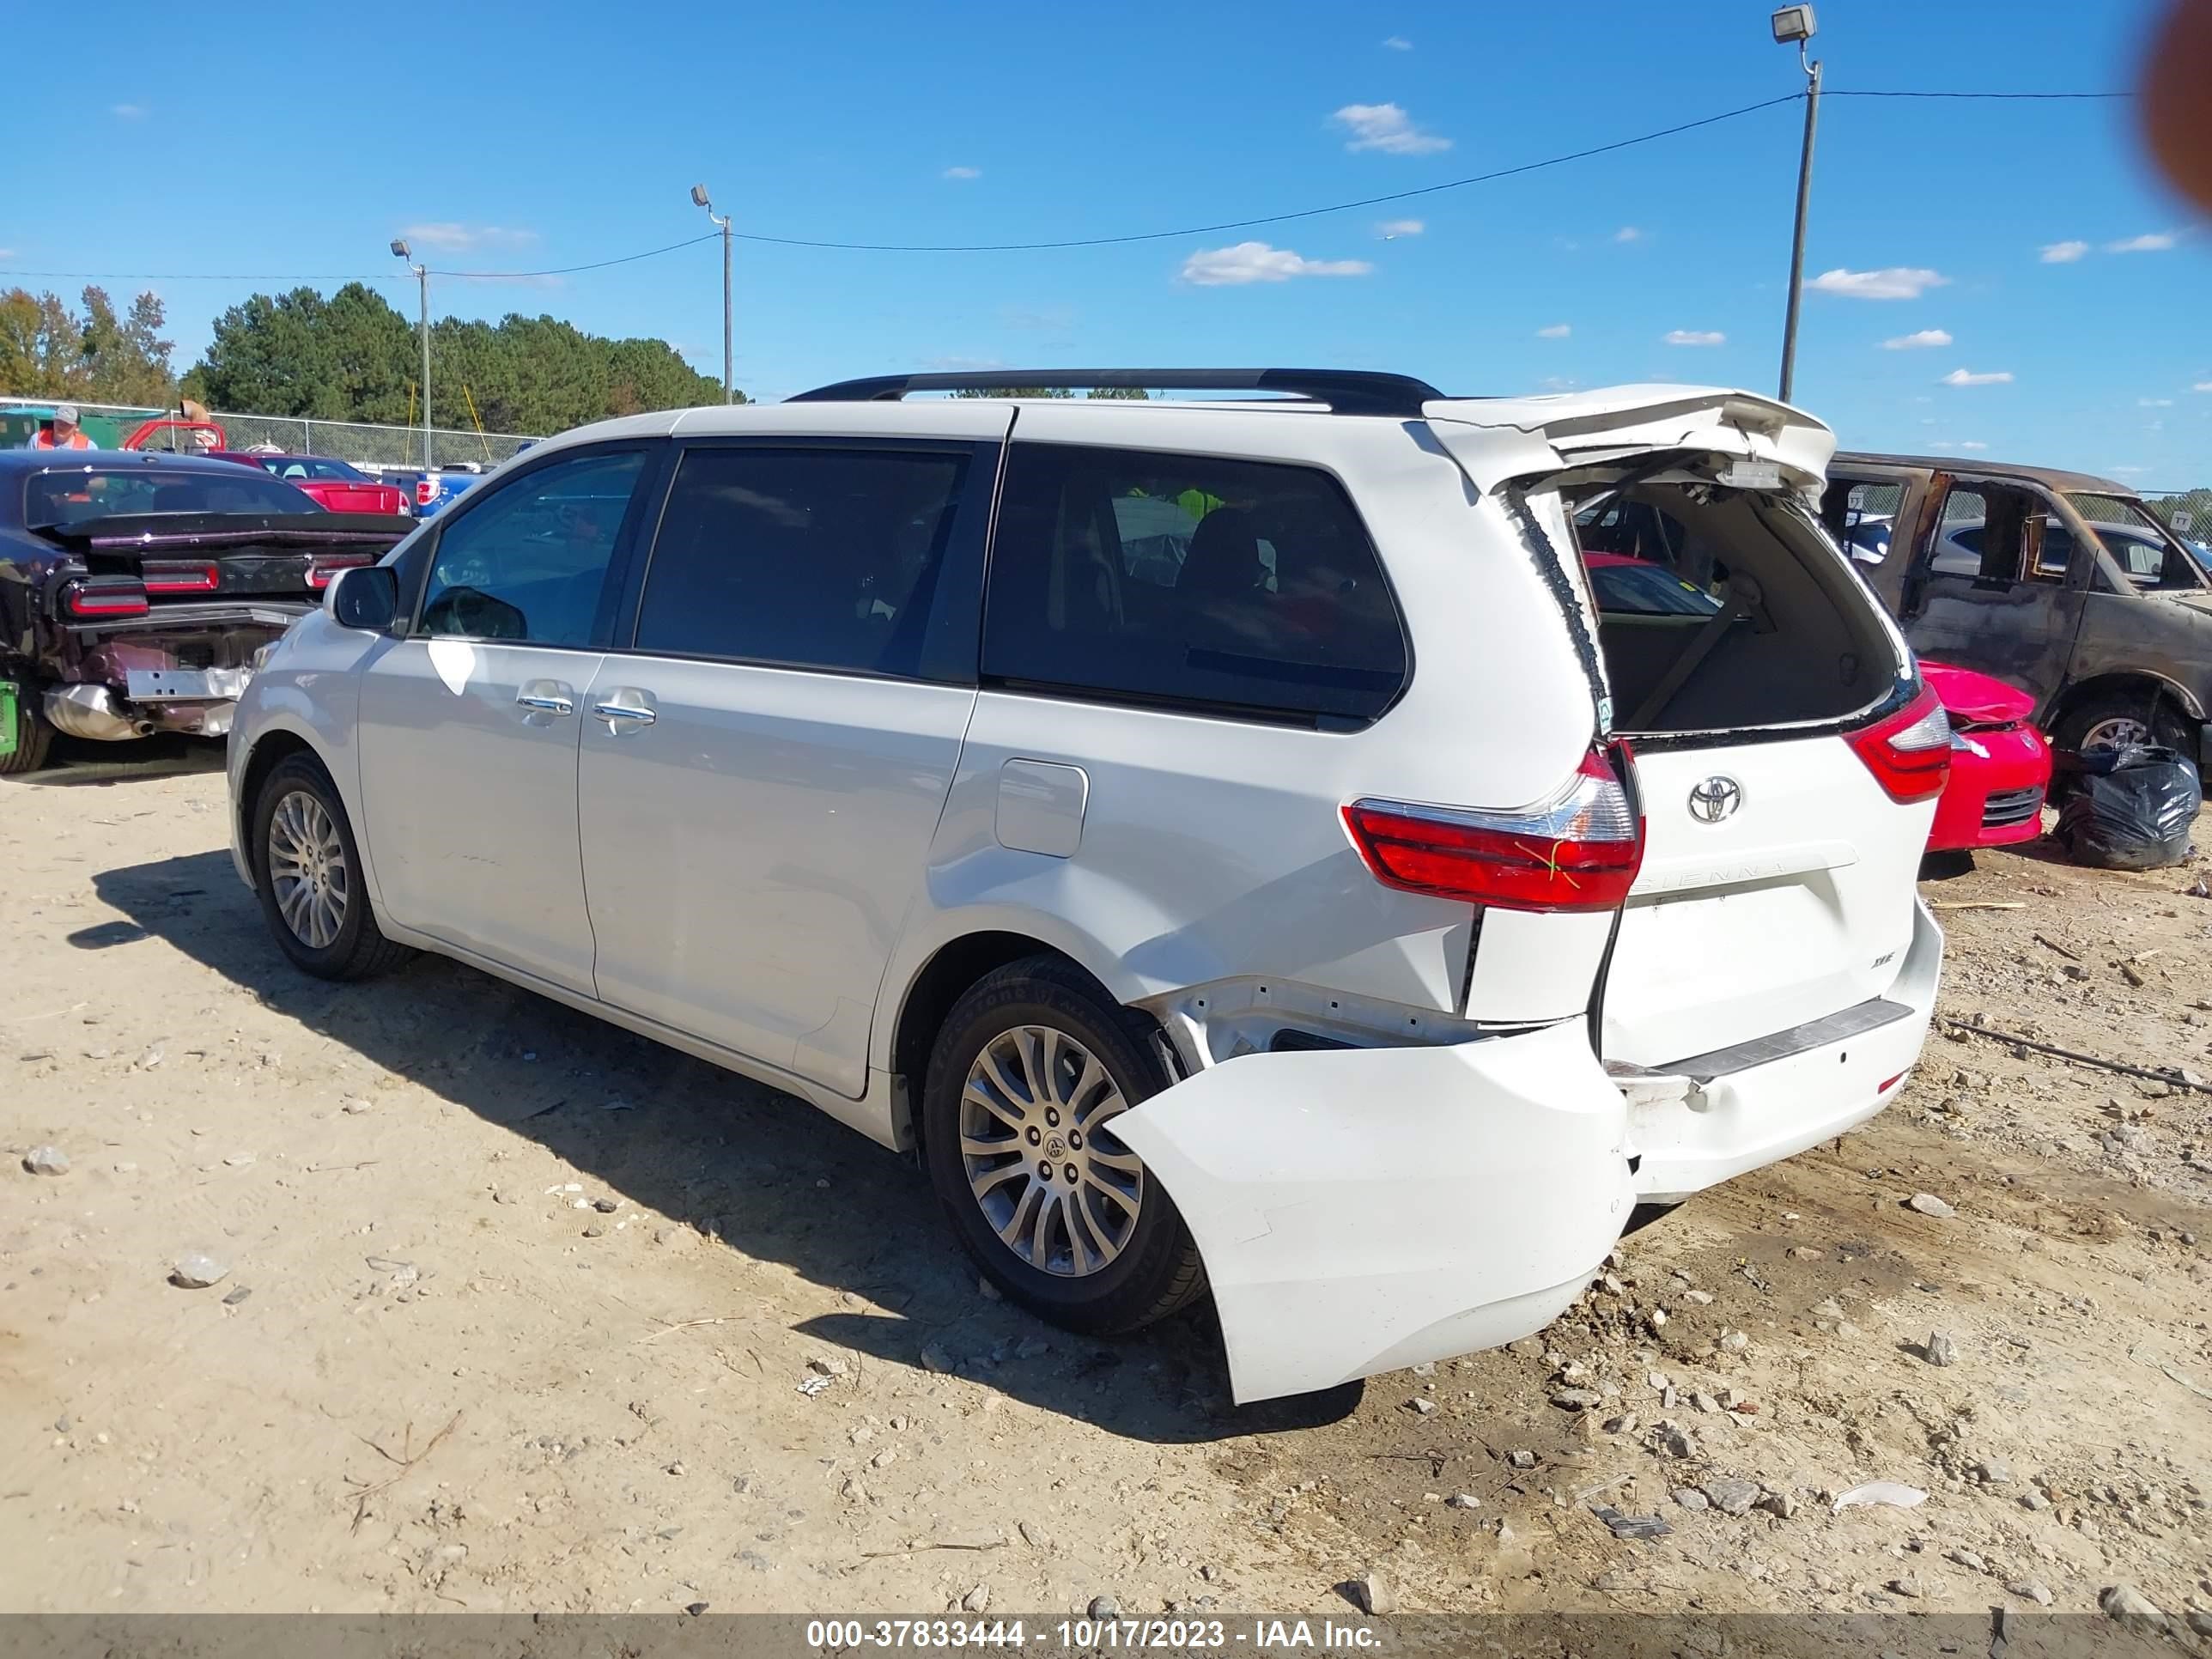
[{"x": 1233, "y": 842}]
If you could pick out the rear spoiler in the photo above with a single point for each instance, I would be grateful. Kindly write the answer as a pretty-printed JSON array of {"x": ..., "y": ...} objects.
[{"x": 213, "y": 532}]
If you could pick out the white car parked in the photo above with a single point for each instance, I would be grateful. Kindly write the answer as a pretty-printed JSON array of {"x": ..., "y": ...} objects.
[{"x": 1226, "y": 840}]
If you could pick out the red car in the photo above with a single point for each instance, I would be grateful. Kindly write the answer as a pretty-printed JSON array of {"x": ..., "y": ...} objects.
[
  {"x": 1999, "y": 763},
  {"x": 339, "y": 487}
]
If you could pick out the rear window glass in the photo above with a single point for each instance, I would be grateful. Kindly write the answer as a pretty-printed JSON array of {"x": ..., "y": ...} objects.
[
  {"x": 1645, "y": 590},
  {"x": 80, "y": 493},
  {"x": 1188, "y": 578}
]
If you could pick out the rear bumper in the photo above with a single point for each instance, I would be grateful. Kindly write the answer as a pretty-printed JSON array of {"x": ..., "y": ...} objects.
[
  {"x": 1360, "y": 1210},
  {"x": 1364, "y": 1209},
  {"x": 1743, "y": 1111}
]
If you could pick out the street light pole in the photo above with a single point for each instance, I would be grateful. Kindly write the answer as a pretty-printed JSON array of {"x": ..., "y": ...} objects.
[
  {"x": 421, "y": 274},
  {"x": 1796, "y": 23},
  {"x": 700, "y": 198}
]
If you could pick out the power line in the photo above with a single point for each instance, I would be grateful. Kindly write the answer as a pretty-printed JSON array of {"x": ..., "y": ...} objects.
[
  {"x": 1274, "y": 218},
  {"x": 382, "y": 276},
  {"x": 195, "y": 277},
  {"x": 1123, "y": 239},
  {"x": 597, "y": 265},
  {"x": 2026, "y": 96}
]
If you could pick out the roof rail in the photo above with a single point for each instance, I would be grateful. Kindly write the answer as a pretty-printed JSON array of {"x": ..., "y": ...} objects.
[{"x": 1345, "y": 391}]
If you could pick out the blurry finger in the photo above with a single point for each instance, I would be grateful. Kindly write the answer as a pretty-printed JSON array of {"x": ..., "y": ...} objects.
[{"x": 2177, "y": 99}]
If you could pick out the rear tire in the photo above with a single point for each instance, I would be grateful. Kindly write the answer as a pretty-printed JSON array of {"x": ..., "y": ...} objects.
[
  {"x": 35, "y": 738},
  {"x": 307, "y": 875},
  {"x": 1028, "y": 1070}
]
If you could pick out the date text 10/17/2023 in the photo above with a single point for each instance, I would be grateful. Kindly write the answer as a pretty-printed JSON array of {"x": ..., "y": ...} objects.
[{"x": 1093, "y": 1635}]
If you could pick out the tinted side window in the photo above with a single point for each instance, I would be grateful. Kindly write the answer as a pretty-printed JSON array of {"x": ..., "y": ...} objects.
[
  {"x": 1188, "y": 578},
  {"x": 817, "y": 559},
  {"x": 529, "y": 562}
]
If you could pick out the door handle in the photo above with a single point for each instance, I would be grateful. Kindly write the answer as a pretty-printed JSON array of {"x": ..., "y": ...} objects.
[
  {"x": 546, "y": 697},
  {"x": 611, "y": 712}
]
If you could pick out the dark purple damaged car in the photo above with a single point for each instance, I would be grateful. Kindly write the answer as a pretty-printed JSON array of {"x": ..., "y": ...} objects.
[{"x": 136, "y": 588}]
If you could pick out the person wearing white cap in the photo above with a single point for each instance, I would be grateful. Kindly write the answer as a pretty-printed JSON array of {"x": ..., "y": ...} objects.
[{"x": 63, "y": 433}]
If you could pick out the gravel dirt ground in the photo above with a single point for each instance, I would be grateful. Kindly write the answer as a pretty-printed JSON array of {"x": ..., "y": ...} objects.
[{"x": 519, "y": 1312}]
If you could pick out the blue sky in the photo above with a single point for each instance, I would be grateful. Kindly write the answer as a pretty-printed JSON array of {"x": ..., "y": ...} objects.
[{"x": 293, "y": 144}]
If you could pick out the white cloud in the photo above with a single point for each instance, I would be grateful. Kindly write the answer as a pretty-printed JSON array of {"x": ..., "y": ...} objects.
[
  {"x": 1397, "y": 43},
  {"x": 2126, "y": 471},
  {"x": 129, "y": 111},
  {"x": 2154, "y": 403},
  {"x": 1387, "y": 128},
  {"x": 1917, "y": 342},
  {"x": 1695, "y": 336},
  {"x": 7, "y": 252},
  {"x": 2063, "y": 253},
  {"x": 1890, "y": 283},
  {"x": 1967, "y": 377},
  {"x": 1973, "y": 446},
  {"x": 451, "y": 238},
  {"x": 2200, "y": 385},
  {"x": 957, "y": 365},
  {"x": 1256, "y": 262},
  {"x": 2156, "y": 241},
  {"x": 1394, "y": 227},
  {"x": 1555, "y": 332},
  {"x": 963, "y": 173},
  {"x": 1629, "y": 233}
]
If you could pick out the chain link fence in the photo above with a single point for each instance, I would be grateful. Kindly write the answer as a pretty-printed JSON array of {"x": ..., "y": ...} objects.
[
  {"x": 2186, "y": 512},
  {"x": 387, "y": 447}
]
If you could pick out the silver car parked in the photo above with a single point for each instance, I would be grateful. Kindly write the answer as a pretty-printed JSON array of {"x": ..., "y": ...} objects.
[{"x": 1231, "y": 842}]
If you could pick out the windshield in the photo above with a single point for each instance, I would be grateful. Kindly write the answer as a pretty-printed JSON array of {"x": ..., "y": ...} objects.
[
  {"x": 2138, "y": 543},
  {"x": 310, "y": 467},
  {"x": 96, "y": 492}
]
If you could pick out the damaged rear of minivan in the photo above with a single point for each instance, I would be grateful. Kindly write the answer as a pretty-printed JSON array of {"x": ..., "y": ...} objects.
[{"x": 1697, "y": 949}]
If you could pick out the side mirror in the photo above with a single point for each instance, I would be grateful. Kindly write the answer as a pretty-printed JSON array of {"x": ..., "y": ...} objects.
[{"x": 366, "y": 597}]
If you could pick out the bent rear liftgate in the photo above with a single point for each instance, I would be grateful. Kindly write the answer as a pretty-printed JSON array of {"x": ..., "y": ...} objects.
[{"x": 1757, "y": 980}]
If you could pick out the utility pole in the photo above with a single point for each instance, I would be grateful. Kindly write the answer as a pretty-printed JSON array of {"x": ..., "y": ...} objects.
[
  {"x": 1796, "y": 23},
  {"x": 421, "y": 274},
  {"x": 700, "y": 198}
]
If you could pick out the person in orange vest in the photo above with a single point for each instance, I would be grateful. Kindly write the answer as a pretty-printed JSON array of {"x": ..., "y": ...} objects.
[{"x": 64, "y": 432}]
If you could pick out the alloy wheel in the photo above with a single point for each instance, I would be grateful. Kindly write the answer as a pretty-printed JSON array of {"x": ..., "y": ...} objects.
[
  {"x": 2120, "y": 731},
  {"x": 307, "y": 872},
  {"x": 1054, "y": 1181}
]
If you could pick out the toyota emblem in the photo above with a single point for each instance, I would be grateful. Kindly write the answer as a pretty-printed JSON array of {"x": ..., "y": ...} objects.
[{"x": 1715, "y": 798}]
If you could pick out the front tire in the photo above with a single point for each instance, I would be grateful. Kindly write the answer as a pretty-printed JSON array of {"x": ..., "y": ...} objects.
[
  {"x": 1029, "y": 1070},
  {"x": 306, "y": 873}
]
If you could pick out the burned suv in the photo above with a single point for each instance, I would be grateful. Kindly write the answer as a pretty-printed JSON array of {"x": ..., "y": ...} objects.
[
  {"x": 136, "y": 588},
  {"x": 2061, "y": 583}
]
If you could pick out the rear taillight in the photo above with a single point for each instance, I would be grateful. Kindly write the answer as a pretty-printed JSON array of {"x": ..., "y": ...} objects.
[
  {"x": 101, "y": 598},
  {"x": 324, "y": 569},
  {"x": 1908, "y": 752},
  {"x": 1579, "y": 851},
  {"x": 426, "y": 491},
  {"x": 181, "y": 575}
]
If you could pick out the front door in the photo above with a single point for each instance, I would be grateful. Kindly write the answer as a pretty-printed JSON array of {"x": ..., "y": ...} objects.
[
  {"x": 468, "y": 724},
  {"x": 1993, "y": 586},
  {"x": 764, "y": 765}
]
